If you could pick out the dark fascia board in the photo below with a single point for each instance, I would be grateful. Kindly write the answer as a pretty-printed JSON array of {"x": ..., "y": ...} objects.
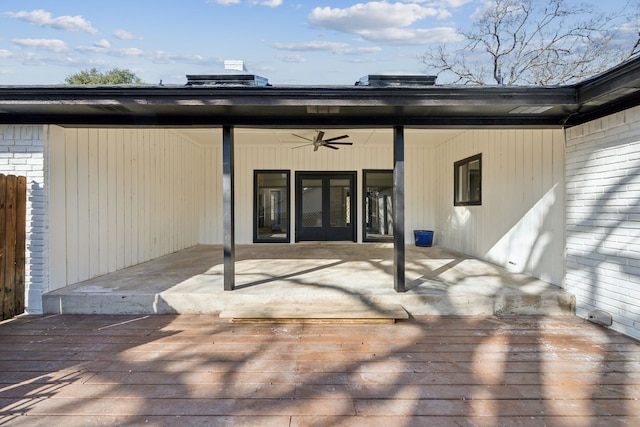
[
  {"x": 286, "y": 105},
  {"x": 607, "y": 93},
  {"x": 625, "y": 75},
  {"x": 298, "y": 121},
  {"x": 293, "y": 95}
]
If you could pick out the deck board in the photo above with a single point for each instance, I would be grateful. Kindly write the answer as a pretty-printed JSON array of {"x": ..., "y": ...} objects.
[{"x": 202, "y": 370}]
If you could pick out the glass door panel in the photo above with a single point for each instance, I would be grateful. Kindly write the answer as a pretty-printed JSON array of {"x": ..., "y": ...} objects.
[
  {"x": 312, "y": 203},
  {"x": 339, "y": 202},
  {"x": 378, "y": 205},
  {"x": 271, "y": 206}
]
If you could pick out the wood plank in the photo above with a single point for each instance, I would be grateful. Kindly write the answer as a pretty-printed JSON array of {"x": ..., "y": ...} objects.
[
  {"x": 21, "y": 241},
  {"x": 201, "y": 369},
  {"x": 10, "y": 236},
  {"x": 3, "y": 242}
]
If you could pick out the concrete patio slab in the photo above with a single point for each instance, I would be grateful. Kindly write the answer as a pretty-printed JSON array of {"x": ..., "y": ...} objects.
[{"x": 438, "y": 282}]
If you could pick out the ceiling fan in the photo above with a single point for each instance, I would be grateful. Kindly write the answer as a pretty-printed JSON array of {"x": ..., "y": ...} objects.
[{"x": 319, "y": 141}]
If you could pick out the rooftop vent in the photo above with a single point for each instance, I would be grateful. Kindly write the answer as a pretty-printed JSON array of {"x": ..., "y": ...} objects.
[
  {"x": 226, "y": 80},
  {"x": 378, "y": 80}
]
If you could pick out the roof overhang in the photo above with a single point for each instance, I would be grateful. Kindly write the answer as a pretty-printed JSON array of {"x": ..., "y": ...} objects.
[{"x": 314, "y": 106}]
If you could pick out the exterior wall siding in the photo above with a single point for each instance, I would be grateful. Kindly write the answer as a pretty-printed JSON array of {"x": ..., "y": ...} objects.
[
  {"x": 257, "y": 152},
  {"x": 520, "y": 223},
  {"x": 120, "y": 197},
  {"x": 22, "y": 152},
  {"x": 603, "y": 218}
]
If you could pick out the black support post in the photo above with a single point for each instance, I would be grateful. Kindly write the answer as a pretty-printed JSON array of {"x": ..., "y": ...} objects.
[
  {"x": 398, "y": 210},
  {"x": 228, "y": 209}
]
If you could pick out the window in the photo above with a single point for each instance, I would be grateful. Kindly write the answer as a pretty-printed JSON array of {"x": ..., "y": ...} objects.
[
  {"x": 271, "y": 206},
  {"x": 468, "y": 181},
  {"x": 378, "y": 205}
]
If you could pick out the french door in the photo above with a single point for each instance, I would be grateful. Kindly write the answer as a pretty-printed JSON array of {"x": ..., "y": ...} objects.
[{"x": 325, "y": 206}]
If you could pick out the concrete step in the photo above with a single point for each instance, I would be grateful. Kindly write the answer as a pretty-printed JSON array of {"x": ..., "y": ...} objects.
[{"x": 315, "y": 313}]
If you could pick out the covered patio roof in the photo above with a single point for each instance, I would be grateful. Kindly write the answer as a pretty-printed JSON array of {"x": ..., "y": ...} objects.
[{"x": 303, "y": 106}]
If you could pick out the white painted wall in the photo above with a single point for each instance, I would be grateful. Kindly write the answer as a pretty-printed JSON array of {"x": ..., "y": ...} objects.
[
  {"x": 22, "y": 151},
  {"x": 255, "y": 150},
  {"x": 520, "y": 223},
  {"x": 603, "y": 218},
  {"x": 119, "y": 197}
]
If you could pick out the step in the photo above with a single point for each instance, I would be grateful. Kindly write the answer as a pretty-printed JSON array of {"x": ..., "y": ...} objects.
[{"x": 315, "y": 313}]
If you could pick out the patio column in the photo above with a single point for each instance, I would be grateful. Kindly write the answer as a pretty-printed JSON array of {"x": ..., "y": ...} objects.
[
  {"x": 228, "y": 209},
  {"x": 398, "y": 209}
]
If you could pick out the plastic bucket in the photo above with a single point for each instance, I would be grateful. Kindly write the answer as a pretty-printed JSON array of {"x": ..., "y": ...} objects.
[{"x": 423, "y": 237}]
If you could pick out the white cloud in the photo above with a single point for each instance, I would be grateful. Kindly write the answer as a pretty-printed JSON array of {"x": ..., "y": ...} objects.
[
  {"x": 43, "y": 18},
  {"x": 369, "y": 16},
  {"x": 359, "y": 51},
  {"x": 384, "y": 22},
  {"x": 224, "y": 2},
  {"x": 52, "y": 45},
  {"x": 271, "y": 3},
  {"x": 162, "y": 57},
  {"x": 314, "y": 46},
  {"x": 5, "y": 53},
  {"x": 123, "y": 35},
  {"x": 443, "y": 3},
  {"x": 103, "y": 44},
  {"x": 402, "y": 36},
  {"x": 292, "y": 58},
  {"x": 336, "y": 48}
]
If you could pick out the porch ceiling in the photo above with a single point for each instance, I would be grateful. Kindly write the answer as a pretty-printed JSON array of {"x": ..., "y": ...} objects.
[{"x": 283, "y": 136}]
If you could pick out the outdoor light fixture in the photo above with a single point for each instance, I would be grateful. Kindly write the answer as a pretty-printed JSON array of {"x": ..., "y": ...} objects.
[
  {"x": 322, "y": 109},
  {"x": 531, "y": 110}
]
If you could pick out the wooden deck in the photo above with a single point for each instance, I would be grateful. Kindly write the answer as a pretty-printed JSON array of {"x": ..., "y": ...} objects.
[{"x": 202, "y": 370}]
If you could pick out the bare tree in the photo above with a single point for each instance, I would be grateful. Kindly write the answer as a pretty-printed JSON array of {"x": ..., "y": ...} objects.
[{"x": 526, "y": 42}]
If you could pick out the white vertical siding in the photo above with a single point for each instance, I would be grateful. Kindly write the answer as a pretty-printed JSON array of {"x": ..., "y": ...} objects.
[
  {"x": 521, "y": 220},
  {"x": 122, "y": 196},
  {"x": 209, "y": 186},
  {"x": 603, "y": 218},
  {"x": 257, "y": 151}
]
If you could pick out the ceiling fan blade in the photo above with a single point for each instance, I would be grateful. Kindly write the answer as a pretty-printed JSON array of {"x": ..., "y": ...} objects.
[
  {"x": 330, "y": 146},
  {"x": 319, "y": 136},
  {"x": 335, "y": 138},
  {"x": 341, "y": 143},
  {"x": 303, "y": 137},
  {"x": 300, "y": 146}
]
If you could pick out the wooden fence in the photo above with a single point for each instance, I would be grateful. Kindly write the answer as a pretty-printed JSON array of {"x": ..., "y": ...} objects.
[{"x": 13, "y": 213}]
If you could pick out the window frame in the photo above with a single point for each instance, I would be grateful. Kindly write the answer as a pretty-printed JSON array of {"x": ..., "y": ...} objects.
[
  {"x": 255, "y": 214},
  {"x": 456, "y": 181}
]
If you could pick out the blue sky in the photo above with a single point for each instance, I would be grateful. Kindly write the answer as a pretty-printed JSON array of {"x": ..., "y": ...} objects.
[{"x": 288, "y": 42}]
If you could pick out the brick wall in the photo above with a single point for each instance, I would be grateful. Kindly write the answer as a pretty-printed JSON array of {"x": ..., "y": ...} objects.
[
  {"x": 22, "y": 151},
  {"x": 603, "y": 218}
]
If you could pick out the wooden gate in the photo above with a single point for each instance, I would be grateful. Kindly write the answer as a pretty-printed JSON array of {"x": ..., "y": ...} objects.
[{"x": 13, "y": 210}]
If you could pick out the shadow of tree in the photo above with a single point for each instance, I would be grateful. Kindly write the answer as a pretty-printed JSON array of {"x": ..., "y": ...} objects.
[{"x": 201, "y": 370}]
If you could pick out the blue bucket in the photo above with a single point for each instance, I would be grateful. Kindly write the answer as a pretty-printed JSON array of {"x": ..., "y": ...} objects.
[{"x": 423, "y": 237}]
